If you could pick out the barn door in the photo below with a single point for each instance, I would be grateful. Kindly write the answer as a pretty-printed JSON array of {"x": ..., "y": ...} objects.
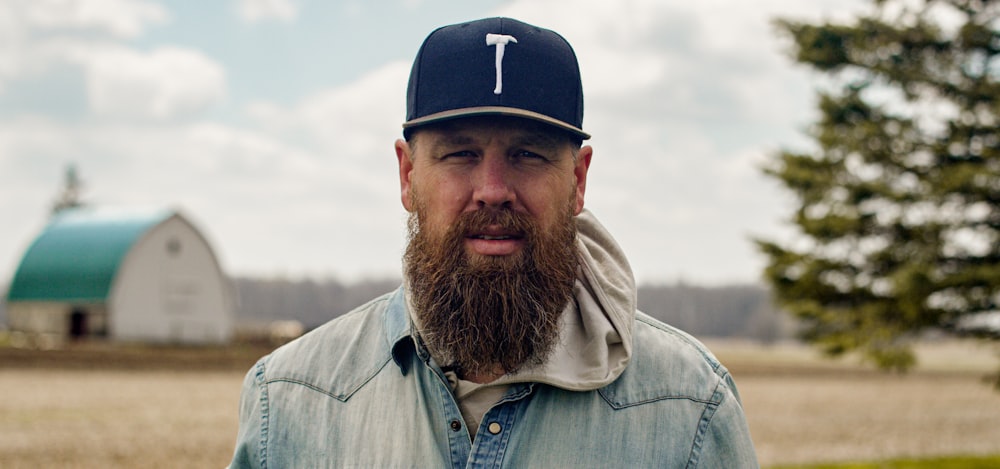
[{"x": 78, "y": 324}]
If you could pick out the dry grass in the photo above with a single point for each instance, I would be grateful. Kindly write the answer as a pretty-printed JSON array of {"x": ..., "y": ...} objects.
[
  {"x": 117, "y": 418},
  {"x": 800, "y": 409},
  {"x": 828, "y": 418},
  {"x": 803, "y": 409}
]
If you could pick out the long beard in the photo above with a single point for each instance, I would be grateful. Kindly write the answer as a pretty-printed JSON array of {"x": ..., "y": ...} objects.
[{"x": 484, "y": 314}]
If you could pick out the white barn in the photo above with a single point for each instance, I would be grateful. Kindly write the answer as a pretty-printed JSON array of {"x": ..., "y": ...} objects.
[{"x": 132, "y": 276}]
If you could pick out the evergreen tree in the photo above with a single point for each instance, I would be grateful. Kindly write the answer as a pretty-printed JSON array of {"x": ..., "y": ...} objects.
[{"x": 898, "y": 205}]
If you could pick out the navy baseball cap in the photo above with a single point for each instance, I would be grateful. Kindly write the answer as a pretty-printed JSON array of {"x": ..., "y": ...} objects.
[{"x": 495, "y": 66}]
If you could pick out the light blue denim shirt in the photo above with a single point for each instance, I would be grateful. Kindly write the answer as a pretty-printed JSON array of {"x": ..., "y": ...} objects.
[{"x": 357, "y": 392}]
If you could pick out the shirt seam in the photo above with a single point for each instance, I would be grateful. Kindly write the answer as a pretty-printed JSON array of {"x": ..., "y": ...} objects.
[
  {"x": 703, "y": 425},
  {"x": 340, "y": 397},
  {"x": 264, "y": 413},
  {"x": 711, "y": 360},
  {"x": 624, "y": 405}
]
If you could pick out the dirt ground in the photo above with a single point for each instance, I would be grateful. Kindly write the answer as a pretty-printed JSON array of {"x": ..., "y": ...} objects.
[{"x": 154, "y": 408}]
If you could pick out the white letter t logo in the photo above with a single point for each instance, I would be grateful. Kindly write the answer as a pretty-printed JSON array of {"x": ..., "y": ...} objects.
[{"x": 499, "y": 40}]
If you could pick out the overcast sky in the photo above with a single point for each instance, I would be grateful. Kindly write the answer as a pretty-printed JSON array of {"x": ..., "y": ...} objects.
[{"x": 270, "y": 123}]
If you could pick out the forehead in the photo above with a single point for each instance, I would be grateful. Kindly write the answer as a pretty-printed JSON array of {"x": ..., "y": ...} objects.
[{"x": 473, "y": 129}]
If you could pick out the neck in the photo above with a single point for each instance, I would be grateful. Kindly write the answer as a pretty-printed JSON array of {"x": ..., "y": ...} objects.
[{"x": 483, "y": 378}]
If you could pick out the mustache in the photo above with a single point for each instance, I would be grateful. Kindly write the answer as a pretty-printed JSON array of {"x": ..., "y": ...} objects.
[{"x": 505, "y": 219}]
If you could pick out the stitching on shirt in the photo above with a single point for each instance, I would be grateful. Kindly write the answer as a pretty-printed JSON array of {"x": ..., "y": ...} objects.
[
  {"x": 703, "y": 424},
  {"x": 624, "y": 405},
  {"x": 264, "y": 415},
  {"x": 714, "y": 363},
  {"x": 340, "y": 397},
  {"x": 720, "y": 372}
]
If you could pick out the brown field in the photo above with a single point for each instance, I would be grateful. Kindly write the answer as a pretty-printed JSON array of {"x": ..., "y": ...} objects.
[
  {"x": 100, "y": 407},
  {"x": 804, "y": 410}
]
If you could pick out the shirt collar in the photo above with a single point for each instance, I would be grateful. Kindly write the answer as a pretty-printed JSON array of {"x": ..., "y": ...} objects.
[{"x": 399, "y": 330}]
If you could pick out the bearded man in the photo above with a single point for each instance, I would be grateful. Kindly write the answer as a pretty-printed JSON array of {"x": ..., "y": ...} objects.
[{"x": 514, "y": 340}]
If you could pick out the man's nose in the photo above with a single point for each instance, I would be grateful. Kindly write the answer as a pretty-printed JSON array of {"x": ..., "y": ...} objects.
[{"x": 493, "y": 183}]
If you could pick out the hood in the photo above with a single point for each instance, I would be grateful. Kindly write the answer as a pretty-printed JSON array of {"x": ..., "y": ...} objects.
[{"x": 595, "y": 340}]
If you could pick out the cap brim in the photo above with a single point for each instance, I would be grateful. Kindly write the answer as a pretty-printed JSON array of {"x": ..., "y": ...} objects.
[{"x": 495, "y": 111}]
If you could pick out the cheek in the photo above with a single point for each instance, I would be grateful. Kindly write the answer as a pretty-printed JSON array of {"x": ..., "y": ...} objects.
[
  {"x": 446, "y": 195},
  {"x": 557, "y": 197},
  {"x": 436, "y": 203}
]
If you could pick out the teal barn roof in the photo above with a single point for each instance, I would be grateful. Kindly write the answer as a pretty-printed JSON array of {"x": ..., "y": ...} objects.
[{"x": 77, "y": 255}]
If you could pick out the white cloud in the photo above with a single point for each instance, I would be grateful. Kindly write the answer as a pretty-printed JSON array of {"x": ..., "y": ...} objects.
[
  {"x": 166, "y": 83},
  {"x": 354, "y": 122},
  {"x": 38, "y": 35},
  {"x": 119, "y": 18},
  {"x": 49, "y": 36},
  {"x": 412, "y": 4},
  {"x": 254, "y": 11},
  {"x": 12, "y": 38}
]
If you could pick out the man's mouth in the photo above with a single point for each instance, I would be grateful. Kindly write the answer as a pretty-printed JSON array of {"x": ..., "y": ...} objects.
[
  {"x": 495, "y": 233},
  {"x": 495, "y": 241},
  {"x": 494, "y": 237}
]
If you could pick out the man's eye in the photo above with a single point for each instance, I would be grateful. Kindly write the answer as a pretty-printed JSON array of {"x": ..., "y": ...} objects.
[
  {"x": 529, "y": 155},
  {"x": 460, "y": 154}
]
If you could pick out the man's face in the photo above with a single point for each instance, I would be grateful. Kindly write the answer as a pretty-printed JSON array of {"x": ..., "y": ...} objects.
[
  {"x": 491, "y": 260},
  {"x": 490, "y": 162}
]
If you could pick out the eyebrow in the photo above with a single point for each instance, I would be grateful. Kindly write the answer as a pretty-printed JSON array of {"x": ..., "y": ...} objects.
[
  {"x": 533, "y": 139},
  {"x": 455, "y": 139},
  {"x": 541, "y": 139}
]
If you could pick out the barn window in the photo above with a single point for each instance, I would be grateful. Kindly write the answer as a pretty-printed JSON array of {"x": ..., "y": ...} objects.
[{"x": 173, "y": 247}]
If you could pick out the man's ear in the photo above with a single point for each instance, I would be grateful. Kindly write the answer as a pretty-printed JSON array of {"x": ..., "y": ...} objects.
[
  {"x": 404, "y": 158},
  {"x": 580, "y": 171}
]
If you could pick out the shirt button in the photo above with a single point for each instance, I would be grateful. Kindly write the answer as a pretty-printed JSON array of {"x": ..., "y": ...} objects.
[
  {"x": 456, "y": 425},
  {"x": 494, "y": 428}
]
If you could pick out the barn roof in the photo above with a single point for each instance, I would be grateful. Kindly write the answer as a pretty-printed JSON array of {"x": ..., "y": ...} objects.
[{"x": 76, "y": 256}]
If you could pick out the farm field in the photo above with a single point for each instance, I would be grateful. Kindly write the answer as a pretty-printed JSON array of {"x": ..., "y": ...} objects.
[{"x": 149, "y": 407}]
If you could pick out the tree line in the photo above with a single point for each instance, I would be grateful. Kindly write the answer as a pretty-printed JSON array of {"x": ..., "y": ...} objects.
[{"x": 726, "y": 311}]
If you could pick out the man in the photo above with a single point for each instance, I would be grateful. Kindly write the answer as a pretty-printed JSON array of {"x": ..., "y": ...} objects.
[{"x": 514, "y": 340}]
